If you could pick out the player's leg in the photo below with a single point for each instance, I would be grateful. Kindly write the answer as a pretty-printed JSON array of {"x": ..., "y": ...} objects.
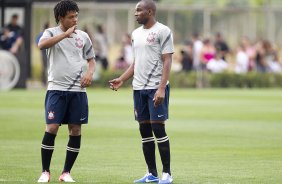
[
  {"x": 158, "y": 116},
  {"x": 54, "y": 105},
  {"x": 148, "y": 146},
  {"x": 76, "y": 117},
  {"x": 73, "y": 146},
  {"x": 148, "y": 142},
  {"x": 47, "y": 148},
  {"x": 164, "y": 149},
  {"x": 48, "y": 145},
  {"x": 72, "y": 152}
]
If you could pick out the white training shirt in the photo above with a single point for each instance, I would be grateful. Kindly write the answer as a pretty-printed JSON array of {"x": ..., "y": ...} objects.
[
  {"x": 67, "y": 60},
  {"x": 148, "y": 47}
]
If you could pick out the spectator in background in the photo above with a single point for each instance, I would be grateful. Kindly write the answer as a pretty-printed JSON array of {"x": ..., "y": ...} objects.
[
  {"x": 101, "y": 47},
  {"x": 197, "y": 47},
  {"x": 86, "y": 30},
  {"x": 269, "y": 58},
  {"x": 250, "y": 51},
  {"x": 126, "y": 54},
  {"x": 221, "y": 45},
  {"x": 11, "y": 36},
  {"x": 43, "y": 55},
  {"x": 207, "y": 53},
  {"x": 14, "y": 27},
  {"x": 263, "y": 51},
  {"x": 274, "y": 65},
  {"x": 187, "y": 56},
  {"x": 120, "y": 64},
  {"x": 127, "y": 49},
  {"x": 18, "y": 49},
  {"x": 10, "y": 41},
  {"x": 217, "y": 64},
  {"x": 242, "y": 60}
]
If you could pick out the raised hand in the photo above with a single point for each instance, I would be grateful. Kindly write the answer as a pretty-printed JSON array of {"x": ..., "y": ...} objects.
[{"x": 70, "y": 31}]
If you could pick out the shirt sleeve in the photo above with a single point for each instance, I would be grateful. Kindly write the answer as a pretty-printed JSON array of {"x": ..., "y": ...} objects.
[
  {"x": 166, "y": 41},
  {"x": 46, "y": 34},
  {"x": 88, "y": 51}
]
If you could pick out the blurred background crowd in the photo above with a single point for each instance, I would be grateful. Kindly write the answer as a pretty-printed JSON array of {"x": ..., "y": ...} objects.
[{"x": 210, "y": 36}]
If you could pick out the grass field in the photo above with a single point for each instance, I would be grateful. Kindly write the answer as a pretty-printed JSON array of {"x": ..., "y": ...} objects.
[{"x": 217, "y": 136}]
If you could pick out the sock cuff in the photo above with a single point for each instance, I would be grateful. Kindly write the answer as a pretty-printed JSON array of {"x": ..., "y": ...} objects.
[
  {"x": 48, "y": 140},
  {"x": 148, "y": 139},
  {"x": 50, "y": 135},
  {"x": 162, "y": 139},
  {"x": 74, "y": 143},
  {"x": 75, "y": 136}
]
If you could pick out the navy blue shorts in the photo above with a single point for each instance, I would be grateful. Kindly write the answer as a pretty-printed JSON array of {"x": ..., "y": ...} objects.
[
  {"x": 144, "y": 108},
  {"x": 66, "y": 107}
]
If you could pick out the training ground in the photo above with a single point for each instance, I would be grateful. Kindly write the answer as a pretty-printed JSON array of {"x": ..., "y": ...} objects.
[{"x": 217, "y": 136}]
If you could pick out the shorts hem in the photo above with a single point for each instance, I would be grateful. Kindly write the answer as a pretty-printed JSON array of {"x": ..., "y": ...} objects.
[
  {"x": 80, "y": 123},
  {"x": 138, "y": 120}
]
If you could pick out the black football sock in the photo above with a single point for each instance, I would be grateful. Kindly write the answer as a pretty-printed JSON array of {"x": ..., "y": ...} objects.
[
  {"x": 148, "y": 145},
  {"x": 47, "y": 148},
  {"x": 163, "y": 144},
  {"x": 72, "y": 152}
]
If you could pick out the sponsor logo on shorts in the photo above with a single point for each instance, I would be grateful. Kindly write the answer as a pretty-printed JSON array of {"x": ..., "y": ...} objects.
[
  {"x": 82, "y": 119},
  {"x": 159, "y": 116}
]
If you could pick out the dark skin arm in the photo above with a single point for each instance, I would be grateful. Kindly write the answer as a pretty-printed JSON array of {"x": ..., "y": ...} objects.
[
  {"x": 116, "y": 83},
  {"x": 160, "y": 93}
]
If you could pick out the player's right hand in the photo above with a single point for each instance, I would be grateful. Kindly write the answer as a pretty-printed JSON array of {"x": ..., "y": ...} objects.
[
  {"x": 70, "y": 31},
  {"x": 115, "y": 84}
]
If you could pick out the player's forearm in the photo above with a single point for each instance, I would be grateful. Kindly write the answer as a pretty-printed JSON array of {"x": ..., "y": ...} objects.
[
  {"x": 50, "y": 42},
  {"x": 166, "y": 71},
  {"x": 128, "y": 73},
  {"x": 91, "y": 66}
]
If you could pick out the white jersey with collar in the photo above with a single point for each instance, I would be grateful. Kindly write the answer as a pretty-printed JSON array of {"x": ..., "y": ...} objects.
[
  {"x": 67, "y": 60},
  {"x": 148, "y": 47}
]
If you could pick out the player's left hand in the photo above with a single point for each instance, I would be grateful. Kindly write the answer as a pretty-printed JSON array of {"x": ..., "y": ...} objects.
[
  {"x": 86, "y": 80},
  {"x": 159, "y": 97}
]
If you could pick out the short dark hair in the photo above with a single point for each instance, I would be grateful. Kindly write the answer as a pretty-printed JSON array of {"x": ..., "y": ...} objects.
[
  {"x": 63, "y": 7},
  {"x": 15, "y": 16}
]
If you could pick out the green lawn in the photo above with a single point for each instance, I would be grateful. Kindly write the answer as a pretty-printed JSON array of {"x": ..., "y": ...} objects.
[{"x": 217, "y": 137}]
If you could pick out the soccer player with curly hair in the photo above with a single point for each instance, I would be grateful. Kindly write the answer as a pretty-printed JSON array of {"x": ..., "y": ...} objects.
[{"x": 71, "y": 65}]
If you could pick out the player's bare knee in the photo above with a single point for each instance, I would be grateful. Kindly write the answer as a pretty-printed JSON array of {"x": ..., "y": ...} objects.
[
  {"x": 52, "y": 128},
  {"x": 74, "y": 130}
]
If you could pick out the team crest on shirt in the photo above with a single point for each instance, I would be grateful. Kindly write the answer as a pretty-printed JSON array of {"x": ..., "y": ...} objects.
[
  {"x": 51, "y": 115},
  {"x": 78, "y": 43},
  {"x": 151, "y": 37}
]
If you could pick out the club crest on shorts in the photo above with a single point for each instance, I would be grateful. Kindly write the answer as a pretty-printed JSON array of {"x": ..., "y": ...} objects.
[{"x": 51, "y": 115}]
